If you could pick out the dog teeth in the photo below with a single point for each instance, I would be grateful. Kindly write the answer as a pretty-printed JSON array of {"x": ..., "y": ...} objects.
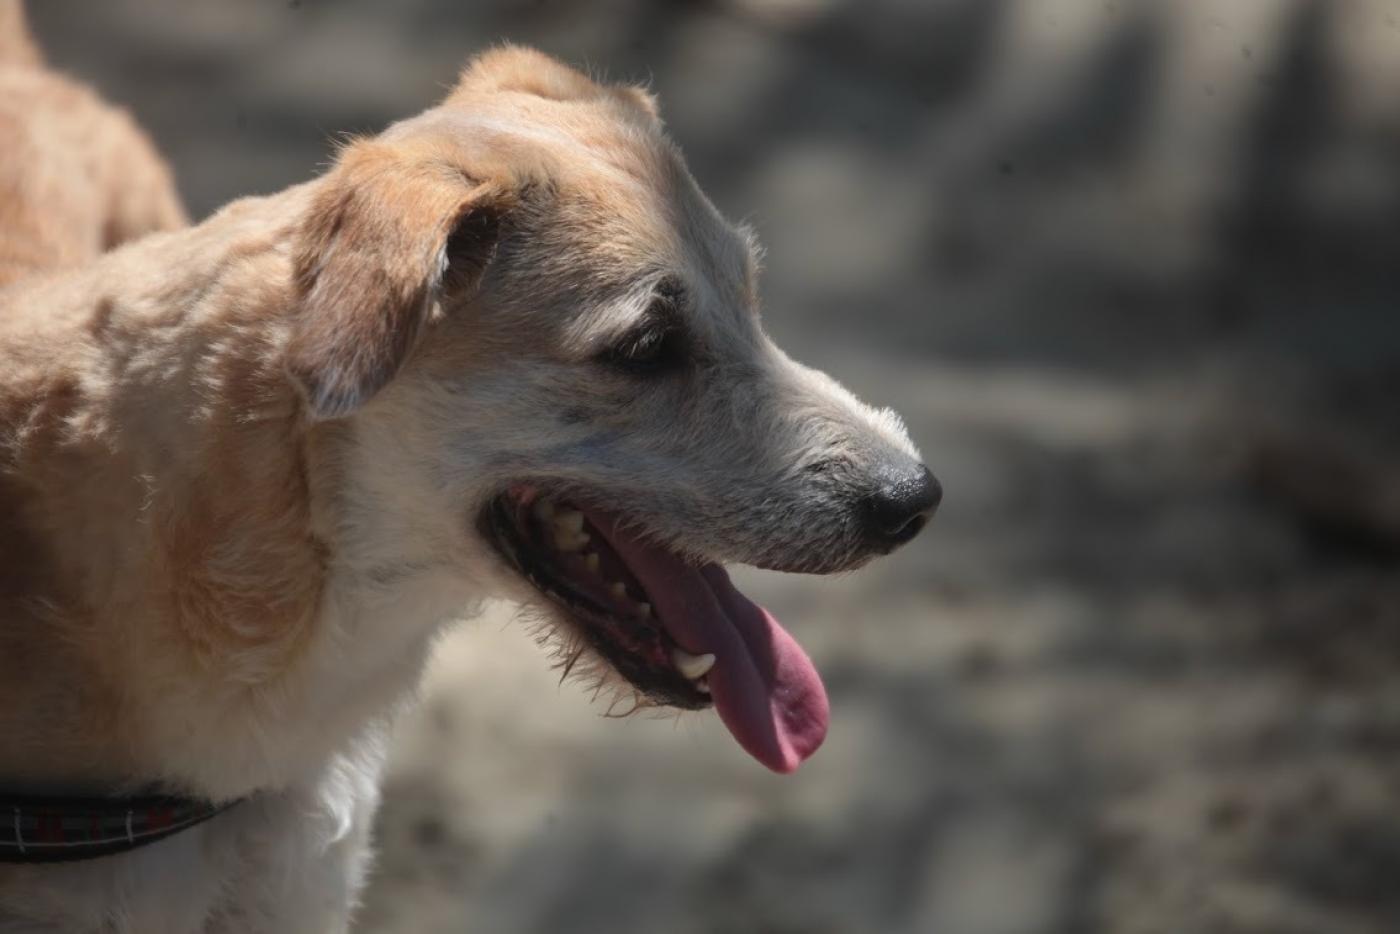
[
  {"x": 568, "y": 528},
  {"x": 703, "y": 685},
  {"x": 644, "y": 610},
  {"x": 568, "y": 520},
  {"x": 692, "y": 666},
  {"x": 590, "y": 561},
  {"x": 618, "y": 589},
  {"x": 569, "y": 541}
]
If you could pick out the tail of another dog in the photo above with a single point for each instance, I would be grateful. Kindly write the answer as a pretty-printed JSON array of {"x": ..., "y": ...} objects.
[{"x": 17, "y": 46}]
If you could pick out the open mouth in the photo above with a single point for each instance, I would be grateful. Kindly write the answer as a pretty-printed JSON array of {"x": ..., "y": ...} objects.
[{"x": 679, "y": 632}]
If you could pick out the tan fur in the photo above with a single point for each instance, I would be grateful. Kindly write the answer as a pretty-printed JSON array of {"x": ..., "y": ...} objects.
[
  {"x": 77, "y": 176},
  {"x": 241, "y": 466},
  {"x": 16, "y": 44}
]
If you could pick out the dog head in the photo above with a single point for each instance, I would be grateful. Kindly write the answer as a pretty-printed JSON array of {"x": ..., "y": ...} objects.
[{"x": 546, "y": 344}]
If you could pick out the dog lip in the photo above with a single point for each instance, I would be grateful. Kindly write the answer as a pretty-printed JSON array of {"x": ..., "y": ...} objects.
[
  {"x": 819, "y": 566},
  {"x": 606, "y": 632}
]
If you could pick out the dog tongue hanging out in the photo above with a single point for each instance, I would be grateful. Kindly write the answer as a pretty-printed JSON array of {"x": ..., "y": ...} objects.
[
  {"x": 678, "y": 630},
  {"x": 506, "y": 348}
]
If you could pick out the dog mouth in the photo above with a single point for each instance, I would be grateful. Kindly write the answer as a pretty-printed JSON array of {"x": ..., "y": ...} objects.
[{"x": 678, "y": 631}]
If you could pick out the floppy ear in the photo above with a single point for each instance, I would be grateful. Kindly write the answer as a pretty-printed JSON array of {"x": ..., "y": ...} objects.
[{"x": 385, "y": 238}]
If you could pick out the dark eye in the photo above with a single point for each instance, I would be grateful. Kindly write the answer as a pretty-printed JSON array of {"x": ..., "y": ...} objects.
[{"x": 656, "y": 345}]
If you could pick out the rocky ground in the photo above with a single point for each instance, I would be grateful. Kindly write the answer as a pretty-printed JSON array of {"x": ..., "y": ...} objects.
[{"x": 1128, "y": 270}]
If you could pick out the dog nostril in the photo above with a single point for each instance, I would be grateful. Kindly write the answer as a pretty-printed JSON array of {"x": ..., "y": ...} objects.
[
  {"x": 900, "y": 508},
  {"x": 911, "y": 528}
]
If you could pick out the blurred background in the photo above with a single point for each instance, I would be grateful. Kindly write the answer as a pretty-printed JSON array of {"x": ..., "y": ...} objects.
[{"x": 1130, "y": 271}]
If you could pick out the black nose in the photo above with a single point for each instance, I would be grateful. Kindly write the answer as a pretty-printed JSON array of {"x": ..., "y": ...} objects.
[{"x": 900, "y": 505}]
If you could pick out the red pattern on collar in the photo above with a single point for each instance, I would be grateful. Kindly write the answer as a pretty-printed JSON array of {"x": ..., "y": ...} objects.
[{"x": 45, "y": 830}]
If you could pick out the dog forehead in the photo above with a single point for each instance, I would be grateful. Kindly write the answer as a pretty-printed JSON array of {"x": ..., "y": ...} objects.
[{"x": 525, "y": 136}]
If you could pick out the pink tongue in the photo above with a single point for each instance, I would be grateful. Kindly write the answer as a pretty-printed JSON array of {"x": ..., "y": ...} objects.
[{"x": 765, "y": 688}]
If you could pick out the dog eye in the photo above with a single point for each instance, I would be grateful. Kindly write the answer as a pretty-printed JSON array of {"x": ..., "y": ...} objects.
[
  {"x": 646, "y": 351},
  {"x": 657, "y": 345}
]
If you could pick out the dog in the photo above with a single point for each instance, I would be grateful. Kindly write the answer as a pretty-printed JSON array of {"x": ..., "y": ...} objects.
[
  {"x": 77, "y": 176},
  {"x": 248, "y": 470}
]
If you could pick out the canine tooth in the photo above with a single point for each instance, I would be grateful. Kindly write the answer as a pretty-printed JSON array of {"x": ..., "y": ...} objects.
[
  {"x": 692, "y": 666},
  {"x": 544, "y": 510},
  {"x": 617, "y": 589},
  {"x": 568, "y": 520},
  {"x": 703, "y": 686},
  {"x": 590, "y": 561},
  {"x": 644, "y": 609}
]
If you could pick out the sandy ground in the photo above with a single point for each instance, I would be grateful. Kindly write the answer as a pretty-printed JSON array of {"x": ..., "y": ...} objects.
[{"x": 1128, "y": 270}]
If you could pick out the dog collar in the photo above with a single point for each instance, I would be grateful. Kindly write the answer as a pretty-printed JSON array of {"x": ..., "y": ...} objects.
[{"x": 54, "y": 830}]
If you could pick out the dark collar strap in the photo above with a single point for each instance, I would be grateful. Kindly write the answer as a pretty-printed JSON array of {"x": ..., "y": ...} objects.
[{"x": 53, "y": 830}]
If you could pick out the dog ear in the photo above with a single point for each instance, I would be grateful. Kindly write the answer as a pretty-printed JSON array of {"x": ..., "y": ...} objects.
[
  {"x": 527, "y": 71},
  {"x": 387, "y": 237}
]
